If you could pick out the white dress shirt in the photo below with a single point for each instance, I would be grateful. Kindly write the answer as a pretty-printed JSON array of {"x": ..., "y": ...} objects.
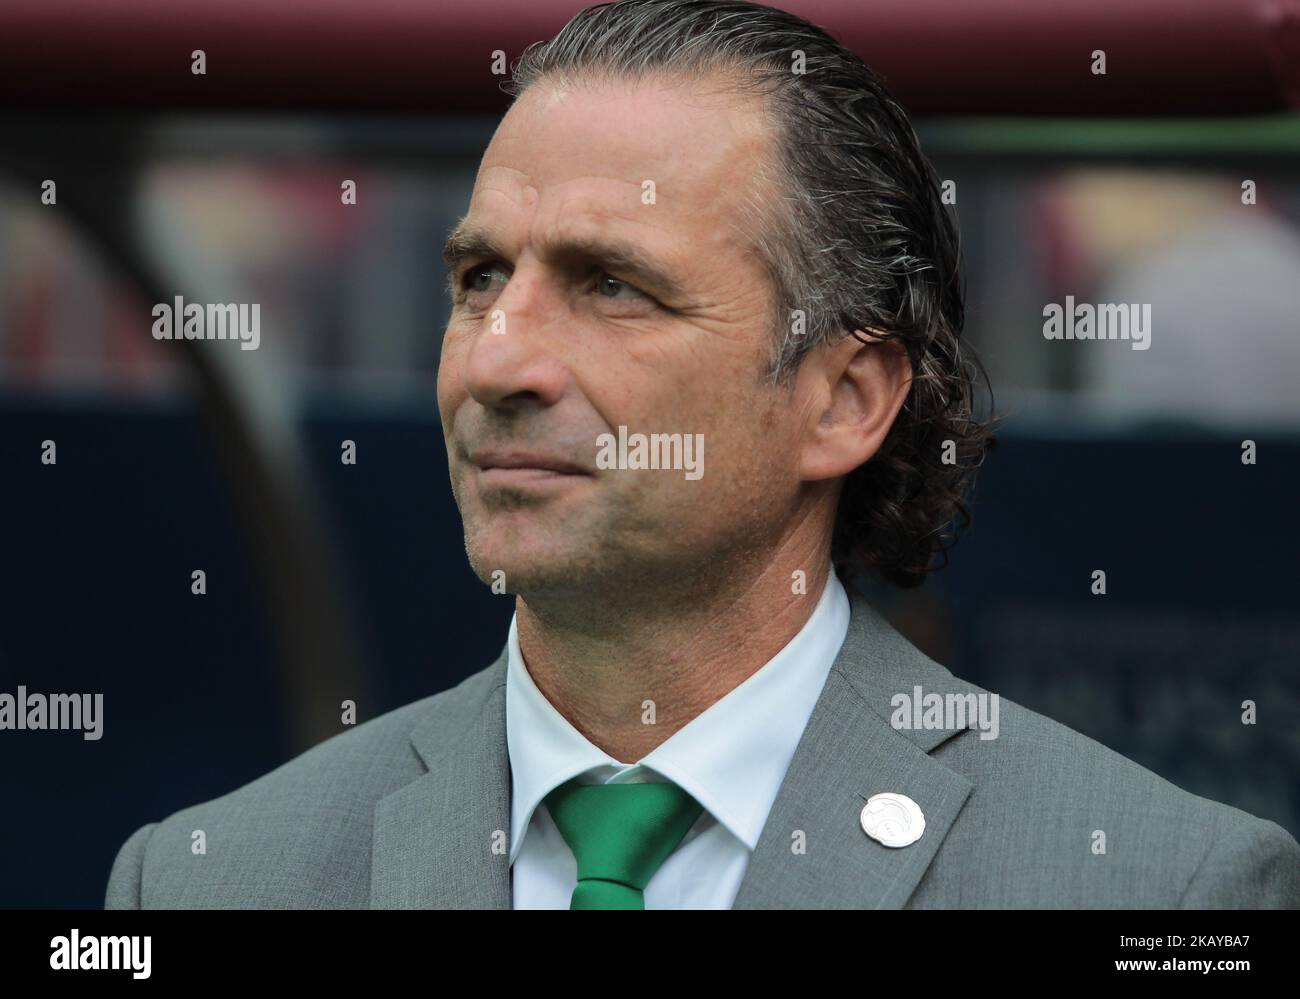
[{"x": 731, "y": 758}]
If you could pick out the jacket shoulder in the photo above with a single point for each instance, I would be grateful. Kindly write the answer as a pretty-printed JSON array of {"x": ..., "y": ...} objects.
[
  {"x": 1067, "y": 821},
  {"x": 298, "y": 836}
]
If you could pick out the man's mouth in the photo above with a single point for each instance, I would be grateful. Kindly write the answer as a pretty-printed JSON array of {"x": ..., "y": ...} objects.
[{"x": 511, "y": 467}]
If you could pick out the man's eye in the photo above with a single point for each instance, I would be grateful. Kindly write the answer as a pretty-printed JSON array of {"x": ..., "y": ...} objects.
[
  {"x": 609, "y": 287},
  {"x": 479, "y": 277}
]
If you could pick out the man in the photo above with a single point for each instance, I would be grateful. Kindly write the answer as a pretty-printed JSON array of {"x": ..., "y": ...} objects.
[{"x": 706, "y": 224}]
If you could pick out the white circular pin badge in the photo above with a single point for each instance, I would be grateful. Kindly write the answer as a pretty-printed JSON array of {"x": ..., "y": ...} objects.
[{"x": 892, "y": 819}]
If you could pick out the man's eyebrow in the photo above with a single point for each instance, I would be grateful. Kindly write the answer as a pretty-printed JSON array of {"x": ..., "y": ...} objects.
[
  {"x": 628, "y": 259},
  {"x": 468, "y": 241}
]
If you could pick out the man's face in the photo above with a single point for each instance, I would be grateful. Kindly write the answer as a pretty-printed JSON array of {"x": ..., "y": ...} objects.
[{"x": 556, "y": 339}]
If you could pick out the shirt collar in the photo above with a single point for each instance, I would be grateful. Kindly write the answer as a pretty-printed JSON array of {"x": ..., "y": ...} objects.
[{"x": 731, "y": 758}]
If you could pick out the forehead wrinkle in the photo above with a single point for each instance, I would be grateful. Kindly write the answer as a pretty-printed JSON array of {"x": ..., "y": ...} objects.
[
  {"x": 474, "y": 236},
  {"x": 512, "y": 178}
]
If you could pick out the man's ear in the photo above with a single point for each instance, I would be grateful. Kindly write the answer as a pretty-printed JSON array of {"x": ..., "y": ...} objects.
[{"x": 853, "y": 390}]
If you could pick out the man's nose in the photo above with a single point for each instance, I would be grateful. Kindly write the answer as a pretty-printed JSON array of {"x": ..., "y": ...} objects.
[{"x": 511, "y": 360}]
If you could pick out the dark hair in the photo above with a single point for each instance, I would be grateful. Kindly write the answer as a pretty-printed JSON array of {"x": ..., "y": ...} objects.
[{"x": 860, "y": 240}]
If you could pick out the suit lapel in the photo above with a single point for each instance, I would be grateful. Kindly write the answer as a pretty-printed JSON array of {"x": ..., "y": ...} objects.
[
  {"x": 441, "y": 842},
  {"x": 813, "y": 852}
]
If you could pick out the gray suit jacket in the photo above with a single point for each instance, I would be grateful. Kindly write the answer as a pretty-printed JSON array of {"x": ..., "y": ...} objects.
[{"x": 412, "y": 809}]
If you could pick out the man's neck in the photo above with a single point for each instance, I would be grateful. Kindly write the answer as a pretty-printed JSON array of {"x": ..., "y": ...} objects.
[{"x": 628, "y": 688}]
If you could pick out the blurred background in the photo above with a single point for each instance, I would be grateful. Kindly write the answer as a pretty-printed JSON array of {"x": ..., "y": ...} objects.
[{"x": 328, "y": 581}]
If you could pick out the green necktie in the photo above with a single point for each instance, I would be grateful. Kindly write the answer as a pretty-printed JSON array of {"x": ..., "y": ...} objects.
[{"x": 620, "y": 834}]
